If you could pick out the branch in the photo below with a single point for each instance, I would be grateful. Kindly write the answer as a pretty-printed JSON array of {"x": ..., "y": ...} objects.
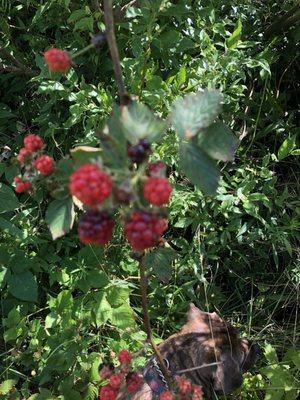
[
  {"x": 285, "y": 21},
  {"x": 143, "y": 284},
  {"x": 17, "y": 70},
  {"x": 114, "y": 53}
]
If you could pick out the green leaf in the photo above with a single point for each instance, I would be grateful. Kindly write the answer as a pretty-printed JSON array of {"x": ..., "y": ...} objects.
[
  {"x": 102, "y": 309},
  {"x": 195, "y": 111},
  {"x": 287, "y": 147},
  {"x": 161, "y": 261},
  {"x": 94, "y": 372},
  {"x": 85, "y": 154},
  {"x": 118, "y": 295},
  {"x": 91, "y": 392},
  {"x": 218, "y": 142},
  {"x": 123, "y": 317},
  {"x": 139, "y": 122},
  {"x": 233, "y": 40},
  {"x": 7, "y": 386},
  {"x": 60, "y": 217},
  {"x": 23, "y": 286},
  {"x": 113, "y": 141},
  {"x": 199, "y": 168},
  {"x": 8, "y": 227},
  {"x": 270, "y": 354},
  {"x": 8, "y": 200}
]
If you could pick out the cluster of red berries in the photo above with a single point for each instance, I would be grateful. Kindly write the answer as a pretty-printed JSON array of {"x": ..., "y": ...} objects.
[
  {"x": 122, "y": 381},
  {"x": 143, "y": 229},
  {"x": 57, "y": 60},
  {"x": 185, "y": 390},
  {"x": 32, "y": 160}
]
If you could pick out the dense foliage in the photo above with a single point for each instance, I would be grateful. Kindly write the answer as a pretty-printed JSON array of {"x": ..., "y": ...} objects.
[{"x": 65, "y": 306}]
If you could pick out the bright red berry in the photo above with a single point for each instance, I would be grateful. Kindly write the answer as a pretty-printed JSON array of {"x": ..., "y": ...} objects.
[
  {"x": 197, "y": 392},
  {"x": 184, "y": 385},
  {"x": 33, "y": 142},
  {"x": 167, "y": 395},
  {"x": 125, "y": 357},
  {"x": 157, "y": 190},
  {"x": 139, "y": 152},
  {"x": 115, "y": 381},
  {"x": 143, "y": 229},
  {"x": 23, "y": 155},
  {"x": 21, "y": 186},
  {"x": 57, "y": 60},
  {"x": 95, "y": 227},
  {"x": 45, "y": 165},
  {"x": 90, "y": 184},
  {"x": 133, "y": 382},
  {"x": 108, "y": 393},
  {"x": 157, "y": 168}
]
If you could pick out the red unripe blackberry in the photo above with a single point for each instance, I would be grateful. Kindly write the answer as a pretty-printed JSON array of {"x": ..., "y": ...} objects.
[
  {"x": 197, "y": 392},
  {"x": 57, "y": 60},
  {"x": 107, "y": 393},
  {"x": 115, "y": 381},
  {"x": 23, "y": 155},
  {"x": 21, "y": 186},
  {"x": 133, "y": 382},
  {"x": 45, "y": 165},
  {"x": 157, "y": 168},
  {"x": 33, "y": 142},
  {"x": 184, "y": 385},
  {"x": 95, "y": 227},
  {"x": 125, "y": 357},
  {"x": 90, "y": 184},
  {"x": 157, "y": 190},
  {"x": 143, "y": 229},
  {"x": 139, "y": 152},
  {"x": 167, "y": 395},
  {"x": 106, "y": 370}
]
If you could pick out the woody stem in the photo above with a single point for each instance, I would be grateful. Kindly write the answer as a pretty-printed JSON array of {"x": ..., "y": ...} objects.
[
  {"x": 143, "y": 284},
  {"x": 114, "y": 52}
]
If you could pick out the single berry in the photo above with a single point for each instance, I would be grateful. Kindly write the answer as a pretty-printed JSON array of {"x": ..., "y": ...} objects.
[
  {"x": 106, "y": 370},
  {"x": 184, "y": 385},
  {"x": 95, "y": 227},
  {"x": 167, "y": 395},
  {"x": 139, "y": 152},
  {"x": 143, "y": 229},
  {"x": 23, "y": 155},
  {"x": 157, "y": 168},
  {"x": 90, "y": 184},
  {"x": 115, "y": 381},
  {"x": 45, "y": 165},
  {"x": 21, "y": 186},
  {"x": 108, "y": 393},
  {"x": 57, "y": 60},
  {"x": 133, "y": 382},
  {"x": 197, "y": 392},
  {"x": 33, "y": 142},
  {"x": 125, "y": 357},
  {"x": 157, "y": 190}
]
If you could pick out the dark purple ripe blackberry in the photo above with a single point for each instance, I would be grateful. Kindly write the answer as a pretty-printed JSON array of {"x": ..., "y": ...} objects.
[{"x": 140, "y": 151}]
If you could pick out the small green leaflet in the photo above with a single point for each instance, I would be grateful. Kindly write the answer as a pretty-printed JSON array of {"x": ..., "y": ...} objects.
[
  {"x": 195, "y": 112},
  {"x": 233, "y": 40},
  {"x": 60, "y": 217},
  {"x": 199, "y": 168}
]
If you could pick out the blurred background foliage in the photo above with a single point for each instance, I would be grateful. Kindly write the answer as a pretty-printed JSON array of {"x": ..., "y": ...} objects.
[{"x": 64, "y": 306}]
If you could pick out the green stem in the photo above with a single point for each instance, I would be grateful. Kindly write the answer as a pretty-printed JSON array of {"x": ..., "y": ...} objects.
[{"x": 82, "y": 51}]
